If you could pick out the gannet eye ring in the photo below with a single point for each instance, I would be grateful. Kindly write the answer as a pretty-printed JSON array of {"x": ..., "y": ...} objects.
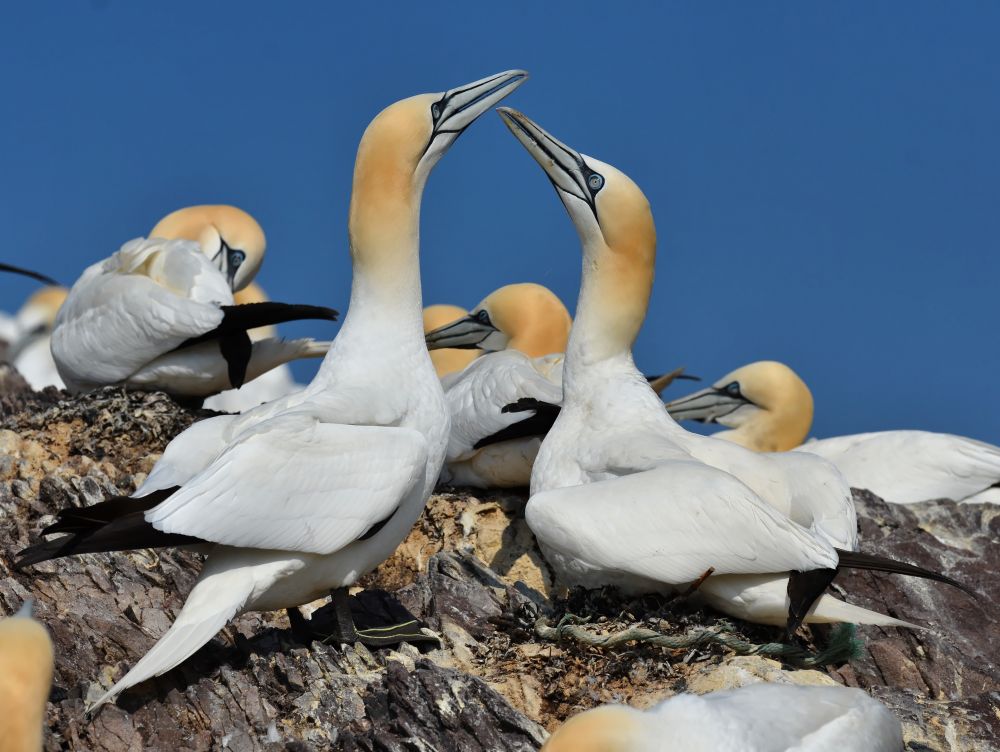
[
  {"x": 483, "y": 317},
  {"x": 596, "y": 182},
  {"x": 733, "y": 389},
  {"x": 236, "y": 258},
  {"x": 435, "y": 111}
]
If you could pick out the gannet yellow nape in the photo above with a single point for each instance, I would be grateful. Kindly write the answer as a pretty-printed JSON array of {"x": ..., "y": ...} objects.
[
  {"x": 300, "y": 497},
  {"x": 623, "y": 496},
  {"x": 447, "y": 360},
  {"x": 767, "y": 407},
  {"x": 753, "y": 718},
  {"x": 526, "y": 317},
  {"x": 230, "y": 237},
  {"x": 26, "y": 666}
]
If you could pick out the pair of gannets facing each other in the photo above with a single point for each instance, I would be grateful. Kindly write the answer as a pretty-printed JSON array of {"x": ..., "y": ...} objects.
[
  {"x": 520, "y": 332},
  {"x": 621, "y": 495},
  {"x": 769, "y": 408},
  {"x": 754, "y": 718},
  {"x": 26, "y": 666},
  {"x": 159, "y": 313},
  {"x": 271, "y": 385},
  {"x": 304, "y": 495},
  {"x": 29, "y": 349}
]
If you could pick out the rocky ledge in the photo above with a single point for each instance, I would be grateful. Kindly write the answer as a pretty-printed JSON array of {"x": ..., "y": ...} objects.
[{"x": 471, "y": 571}]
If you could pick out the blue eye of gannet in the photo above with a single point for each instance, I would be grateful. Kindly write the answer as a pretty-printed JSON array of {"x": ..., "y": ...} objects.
[{"x": 596, "y": 182}]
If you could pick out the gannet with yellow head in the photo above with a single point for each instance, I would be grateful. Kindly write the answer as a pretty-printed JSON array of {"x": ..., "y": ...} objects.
[
  {"x": 752, "y": 718},
  {"x": 30, "y": 351},
  {"x": 231, "y": 238},
  {"x": 521, "y": 331},
  {"x": 526, "y": 317},
  {"x": 306, "y": 494},
  {"x": 26, "y": 666},
  {"x": 160, "y": 313},
  {"x": 621, "y": 495},
  {"x": 769, "y": 408}
]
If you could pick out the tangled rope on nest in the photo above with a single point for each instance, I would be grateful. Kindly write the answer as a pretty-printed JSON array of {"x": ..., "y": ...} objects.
[{"x": 843, "y": 644}]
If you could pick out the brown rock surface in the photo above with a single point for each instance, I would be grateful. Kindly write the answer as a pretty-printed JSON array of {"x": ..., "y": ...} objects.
[{"x": 255, "y": 687}]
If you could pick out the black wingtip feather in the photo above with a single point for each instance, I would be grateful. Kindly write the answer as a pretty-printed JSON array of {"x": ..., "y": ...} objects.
[{"x": 875, "y": 563}]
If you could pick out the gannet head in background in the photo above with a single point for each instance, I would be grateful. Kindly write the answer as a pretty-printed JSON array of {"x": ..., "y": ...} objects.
[
  {"x": 26, "y": 665},
  {"x": 524, "y": 317},
  {"x": 610, "y": 728},
  {"x": 615, "y": 224},
  {"x": 447, "y": 360},
  {"x": 227, "y": 235},
  {"x": 39, "y": 311},
  {"x": 766, "y": 403}
]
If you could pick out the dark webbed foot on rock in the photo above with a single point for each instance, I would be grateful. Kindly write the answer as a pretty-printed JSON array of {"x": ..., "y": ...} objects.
[{"x": 337, "y": 625}]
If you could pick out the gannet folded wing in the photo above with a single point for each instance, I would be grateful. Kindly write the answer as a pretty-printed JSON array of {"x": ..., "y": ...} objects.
[
  {"x": 910, "y": 466},
  {"x": 337, "y": 482},
  {"x": 477, "y": 396},
  {"x": 673, "y": 523},
  {"x": 145, "y": 300}
]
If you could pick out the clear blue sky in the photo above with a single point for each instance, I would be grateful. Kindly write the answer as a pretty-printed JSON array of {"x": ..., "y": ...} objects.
[{"x": 824, "y": 176}]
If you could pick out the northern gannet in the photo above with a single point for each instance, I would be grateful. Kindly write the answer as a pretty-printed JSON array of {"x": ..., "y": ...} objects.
[
  {"x": 621, "y": 495},
  {"x": 754, "y": 718},
  {"x": 159, "y": 313},
  {"x": 30, "y": 350},
  {"x": 270, "y": 385},
  {"x": 306, "y": 494},
  {"x": 446, "y": 361},
  {"x": 768, "y": 408},
  {"x": 523, "y": 329},
  {"x": 26, "y": 666}
]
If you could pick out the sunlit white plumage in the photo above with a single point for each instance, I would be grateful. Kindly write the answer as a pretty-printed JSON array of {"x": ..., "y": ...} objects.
[
  {"x": 754, "y": 718},
  {"x": 128, "y": 317},
  {"x": 309, "y": 492},
  {"x": 767, "y": 407},
  {"x": 620, "y": 494},
  {"x": 523, "y": 329}
]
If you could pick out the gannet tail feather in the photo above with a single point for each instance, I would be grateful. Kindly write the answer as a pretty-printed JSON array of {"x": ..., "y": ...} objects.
[
  {"x": 215, "y": 599},
  {"x": 871, "y": 562},
  {"x": 804, "y": 588},
  {"x": 118, "y": 524},
  {"x": 539, "y": 424}
]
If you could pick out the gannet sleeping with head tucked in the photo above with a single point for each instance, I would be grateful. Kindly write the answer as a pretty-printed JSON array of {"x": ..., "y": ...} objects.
[
  {"x": 26, "y": 665},
  {"x": 768, "y": 408},
  {"x": 30, "y": 350},
  {"x": 268, "y": 386},
  {"x": 754, "y": 718},
  {"x": 523, "y": 329},
  {"x": 621, "y": 495},
  {"x": 306, "y": 494},
  {"x": 159, "y": 313}
]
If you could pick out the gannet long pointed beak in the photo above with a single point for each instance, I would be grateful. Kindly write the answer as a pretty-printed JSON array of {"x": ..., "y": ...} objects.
[
  {"x": 707, "y": 405},
  {"x": 459, "y": 107},
  {"x": 467, "y": 333},
  {"x": 565, "y": 166}
]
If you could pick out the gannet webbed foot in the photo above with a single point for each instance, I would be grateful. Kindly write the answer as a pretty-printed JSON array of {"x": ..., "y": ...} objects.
[{"x": 339, "y": 626}]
